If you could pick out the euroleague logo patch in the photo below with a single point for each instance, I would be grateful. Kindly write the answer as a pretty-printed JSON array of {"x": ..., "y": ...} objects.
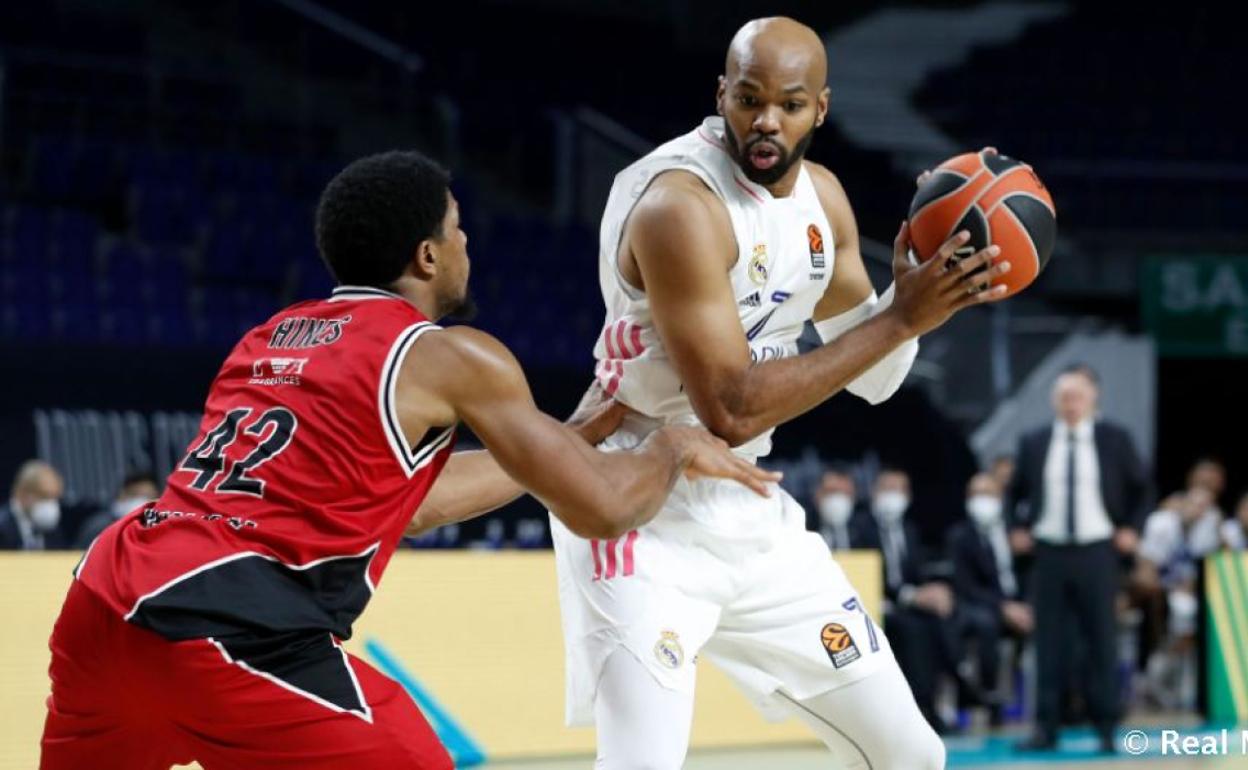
[
  {"x": 815, "y": 238},
  {"x": 839, "y": 645},
  {"x": 668, "y": 650}
]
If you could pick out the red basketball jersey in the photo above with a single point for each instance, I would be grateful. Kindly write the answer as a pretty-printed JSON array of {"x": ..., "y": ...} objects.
[{"x": 294, "y": 495}]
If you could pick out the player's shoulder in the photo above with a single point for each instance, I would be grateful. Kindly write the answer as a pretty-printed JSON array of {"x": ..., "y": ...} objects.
[
  {"x": 677, "y": 202},
  {"x": 826, "y": 183},
  {"x": 463, "y": 354}
]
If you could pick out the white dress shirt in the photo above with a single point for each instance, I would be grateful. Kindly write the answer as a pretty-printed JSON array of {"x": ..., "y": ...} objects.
[
  {"x": 837, "y": 536},
  {"x": 1000, "y": 544},
  {"x": 1092, "y": 522},
  {"x": 893, "y": 542}
]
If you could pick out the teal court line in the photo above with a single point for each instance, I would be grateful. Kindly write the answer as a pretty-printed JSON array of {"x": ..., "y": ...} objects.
[{"x": 463, "y": 749}]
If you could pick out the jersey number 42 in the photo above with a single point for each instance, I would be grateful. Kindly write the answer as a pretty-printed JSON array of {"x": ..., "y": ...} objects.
[{"x": 208, "y": 459}]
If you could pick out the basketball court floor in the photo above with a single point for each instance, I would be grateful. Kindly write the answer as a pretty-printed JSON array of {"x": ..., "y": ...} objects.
[
  {"x": 814, "y": 758},
  {"x": 1077, "y": 751}
]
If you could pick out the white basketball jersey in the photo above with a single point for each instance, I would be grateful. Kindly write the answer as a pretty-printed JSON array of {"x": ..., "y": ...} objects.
[{"x": 784, "y": 261}]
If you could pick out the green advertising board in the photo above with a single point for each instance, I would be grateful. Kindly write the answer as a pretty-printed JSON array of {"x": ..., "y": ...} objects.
[
  {"x": 1197, "y": 306},
  {"x": 1226, "y": 643}
]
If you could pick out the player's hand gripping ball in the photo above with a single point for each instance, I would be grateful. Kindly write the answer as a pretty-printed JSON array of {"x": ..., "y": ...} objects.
[{"x": 999, "y": 200}]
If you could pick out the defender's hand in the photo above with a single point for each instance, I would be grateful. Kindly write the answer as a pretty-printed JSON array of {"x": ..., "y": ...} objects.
[
  {"x": 709, "y": 456},
  {"x": 597, "y": 416}
]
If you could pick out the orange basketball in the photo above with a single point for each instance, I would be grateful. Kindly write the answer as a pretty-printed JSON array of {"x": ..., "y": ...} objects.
[{"x": 998, "y": 200}]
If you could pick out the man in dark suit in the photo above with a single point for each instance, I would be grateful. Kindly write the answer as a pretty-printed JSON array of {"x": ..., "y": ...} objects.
[
  {"x": 1077, "y": 502},
  {"x": 985, "y": 583},
  {"x": 30, "y": 520},
  {"x": 841, "y": 523},
  {"x": 915, "y": 609}
]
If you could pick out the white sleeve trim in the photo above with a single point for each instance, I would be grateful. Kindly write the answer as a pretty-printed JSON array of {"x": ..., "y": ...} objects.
[
  {"x": 411, "y": 458},
  {"x": 883, "y": 379}
]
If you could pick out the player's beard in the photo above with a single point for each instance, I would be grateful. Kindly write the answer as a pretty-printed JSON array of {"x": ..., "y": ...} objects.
[{"x": 768, "y": 176}]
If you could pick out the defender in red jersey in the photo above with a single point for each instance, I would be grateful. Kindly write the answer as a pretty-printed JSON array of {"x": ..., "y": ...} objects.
[{"x": 207, "y": 624}]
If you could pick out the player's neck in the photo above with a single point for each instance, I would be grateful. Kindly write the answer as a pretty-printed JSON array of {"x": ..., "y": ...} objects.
[
  {"x": 783, "y": 187},
  {"x": 418, "y": 293}
]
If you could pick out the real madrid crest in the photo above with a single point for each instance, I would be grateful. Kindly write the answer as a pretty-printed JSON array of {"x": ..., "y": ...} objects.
[
  {"x": 668, "y": 650},
  {"x": 758, "y": 264}
]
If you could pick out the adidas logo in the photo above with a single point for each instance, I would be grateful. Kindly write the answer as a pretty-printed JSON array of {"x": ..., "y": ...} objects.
[{"x": 754, "y": 300}]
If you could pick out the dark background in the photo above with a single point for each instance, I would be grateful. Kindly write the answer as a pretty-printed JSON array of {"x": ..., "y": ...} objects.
[{"x": 159, "y": 164}]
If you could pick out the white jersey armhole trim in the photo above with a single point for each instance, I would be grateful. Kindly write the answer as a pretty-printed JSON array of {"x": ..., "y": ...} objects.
[
  {"x": 411, "y": 458},
  {"x": 707, "y": 179}
]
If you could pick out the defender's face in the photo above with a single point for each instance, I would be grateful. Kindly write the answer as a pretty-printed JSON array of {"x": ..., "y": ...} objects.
[{"x": 453, "y": 258}]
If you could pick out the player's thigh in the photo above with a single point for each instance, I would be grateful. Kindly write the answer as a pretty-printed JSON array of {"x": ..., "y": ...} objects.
[
  {"x": 260, "y": 721},
  {"x": 873, "y": 724},
  {"x": 642, "y": 725},
  {"x": 799, "y": 626},
  {"x": 99, "y": 713},
  {"x": 71, "y": 742}
]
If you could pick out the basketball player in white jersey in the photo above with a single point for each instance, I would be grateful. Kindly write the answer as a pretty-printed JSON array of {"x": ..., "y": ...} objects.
[{"x": 715, "y": 249}]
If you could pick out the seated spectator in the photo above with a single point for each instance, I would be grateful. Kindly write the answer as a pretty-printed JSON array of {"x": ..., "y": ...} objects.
[
  {"x": 988, "y": 604},
  {"x": 1002, "y": 469},
  {"x": 1176, "y": 538},
  {"x": 842, "y": 525},
  {"x": 136, "y": 489},
  {"x": 1210, "y": 473},
  {"x": 915, "y": 609},
  {"x": 1235, "y": 530},
  {"x": 31, "y": 520}
]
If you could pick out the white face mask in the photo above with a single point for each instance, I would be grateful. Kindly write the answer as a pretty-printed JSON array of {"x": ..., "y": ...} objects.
[
  {"x": 984, "y": 510},
  {"x": 836, "y": 508},
  {"x": 45, "y": 515},
  {"x": 890, "y": 506},
  {"x": 127, "y": 504}
]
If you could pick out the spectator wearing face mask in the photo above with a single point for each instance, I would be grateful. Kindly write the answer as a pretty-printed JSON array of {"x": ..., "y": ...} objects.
[
  {"x": 30, "y": 521},
  {"x": 1235, "y": 530},
  {"x": 836, "y": 500},
  {"x": 915, "y": 609},
  {"x": 985, "y": 584},
  {"x": 136, "y": 489}
]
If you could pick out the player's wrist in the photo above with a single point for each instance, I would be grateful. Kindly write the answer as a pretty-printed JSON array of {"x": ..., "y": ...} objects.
[
  {"x": 675, "y": 444},
  {"x": 895, "y": 326}
]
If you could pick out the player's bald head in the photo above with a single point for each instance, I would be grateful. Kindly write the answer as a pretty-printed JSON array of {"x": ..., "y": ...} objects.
[{"x": 780, "y": 47}]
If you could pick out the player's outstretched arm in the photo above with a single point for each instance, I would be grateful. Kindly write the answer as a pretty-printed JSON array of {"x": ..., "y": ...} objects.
[
  {"x": 681, "y": 239},
  {"x": 473, "y": 483},
  {"x": 465, "y": 374}
]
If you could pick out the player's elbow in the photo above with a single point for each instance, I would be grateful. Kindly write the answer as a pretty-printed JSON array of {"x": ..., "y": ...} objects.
[
  {"x": 723, "y": 411},
  {"x": 735, "y": 430},
  {"x": 596, "y": 522}
]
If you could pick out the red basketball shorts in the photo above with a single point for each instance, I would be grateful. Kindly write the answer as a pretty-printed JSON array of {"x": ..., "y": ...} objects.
[{"x": 124, "y": 697}]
